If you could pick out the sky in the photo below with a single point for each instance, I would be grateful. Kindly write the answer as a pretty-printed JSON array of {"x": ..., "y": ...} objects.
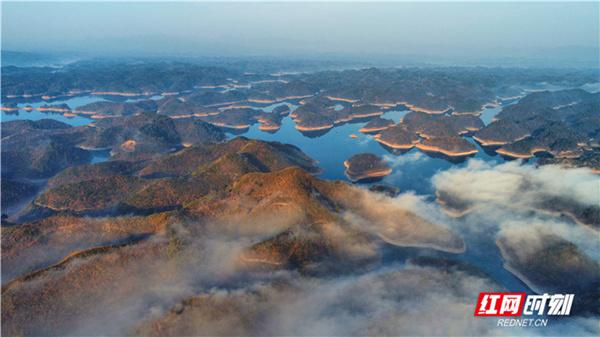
[{"x": 466, "y": 29}]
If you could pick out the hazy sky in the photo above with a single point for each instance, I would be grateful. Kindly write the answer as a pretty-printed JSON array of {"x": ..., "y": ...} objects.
[{"x": 300, "y": 28}]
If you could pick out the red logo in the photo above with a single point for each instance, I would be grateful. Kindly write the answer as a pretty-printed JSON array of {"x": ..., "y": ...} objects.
[{"x": 500, "y": 304}]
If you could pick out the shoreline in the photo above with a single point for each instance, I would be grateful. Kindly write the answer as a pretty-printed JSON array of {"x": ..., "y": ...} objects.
[
  {"x": 371, "y": 130},
  {"x": 426, "y": 245},
  {"x": 372, "y": 174},
  {"x": 396, "y": 146},
  {"x": 269, "y": 128},
  {"x": 313, "y": 128},
  {"x": 467, "y": 113},
  {"x": 425, "y": 110},
  {"x": 205, "y": 114},
  {"x": 97, "y": 116},
  {"x": 450, "y": 211},
  {"x": 289, "y": 98},
  {"x": 231, "y": 126},
  {"x": 448, "y": 153},
  {"x": 513, "y": 154},
  {"x": 234, "y": 106},
  {"x": 350, "y": 118},
  {"x": 181, "y": 116},
  {"x": 506, "y": 265},
  {"x": 413, "y": 107},
  {"x": 61, "y": 110},
  {"x": 364, "y": 129},
  {"x": 117, "y": 93},
  {"x": 261, "y": 101},
  {"x": 341, "y": 99},
  {"x": 488, "y": 142},
  {"x": 533, "y": 153}
]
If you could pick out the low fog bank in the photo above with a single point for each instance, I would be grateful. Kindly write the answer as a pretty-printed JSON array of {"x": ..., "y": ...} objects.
[
  {"x": 406, "y": 299},
  {"x": 515, "y": 198},
  {"x": 191, "y": 280}
]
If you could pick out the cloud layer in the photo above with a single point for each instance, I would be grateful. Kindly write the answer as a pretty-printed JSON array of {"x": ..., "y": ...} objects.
[{"x": 186, "y": 283}]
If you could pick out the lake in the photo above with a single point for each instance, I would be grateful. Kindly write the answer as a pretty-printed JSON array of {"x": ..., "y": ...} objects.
[
  {"x": 73, "y": 103},
  {"x": 412, "y": 171}
]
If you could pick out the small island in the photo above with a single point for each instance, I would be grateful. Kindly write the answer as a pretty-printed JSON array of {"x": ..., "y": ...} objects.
[
  {"x": 308, "y": 121},
  {"x": 398, "y": 137},
  {"x": 530, "y": 266},
  {"x": 270, "y": 122},
  {"x": 236, "y": 118},
  {"x": 366, "y": 166},
  {"x": 9, "y": 107},
  {"x": 501, "y": 132},
  {"x": 364, "y": 111},
  {"x": 431, "y": 126},
  {"x": 282, "y": 110},
  {"x": 61, "y": 108},
  {"x": 377, "y": 124},
  {"x": 387, "y": 190},
  {"x": 450, "y": 146},
  {"x": 107, "y": 108}
]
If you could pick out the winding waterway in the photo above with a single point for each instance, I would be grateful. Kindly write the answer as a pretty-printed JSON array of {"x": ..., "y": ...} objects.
[{"x": 412, "y": 172}]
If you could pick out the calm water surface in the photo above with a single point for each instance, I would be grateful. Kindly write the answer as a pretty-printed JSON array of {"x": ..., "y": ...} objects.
[
  {"x": 412, "y": 171},
  {"x": 73, "y": 103}
]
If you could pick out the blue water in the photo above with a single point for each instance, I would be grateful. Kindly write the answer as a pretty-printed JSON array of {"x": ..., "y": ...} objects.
[
  {"x": 412, "y": 171},
  {"x": 37, "y": 115},
  {"x": 331, "y": 149},
  {"x": 487, "y": 116},
  {"x": 73, "y": 103}
]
